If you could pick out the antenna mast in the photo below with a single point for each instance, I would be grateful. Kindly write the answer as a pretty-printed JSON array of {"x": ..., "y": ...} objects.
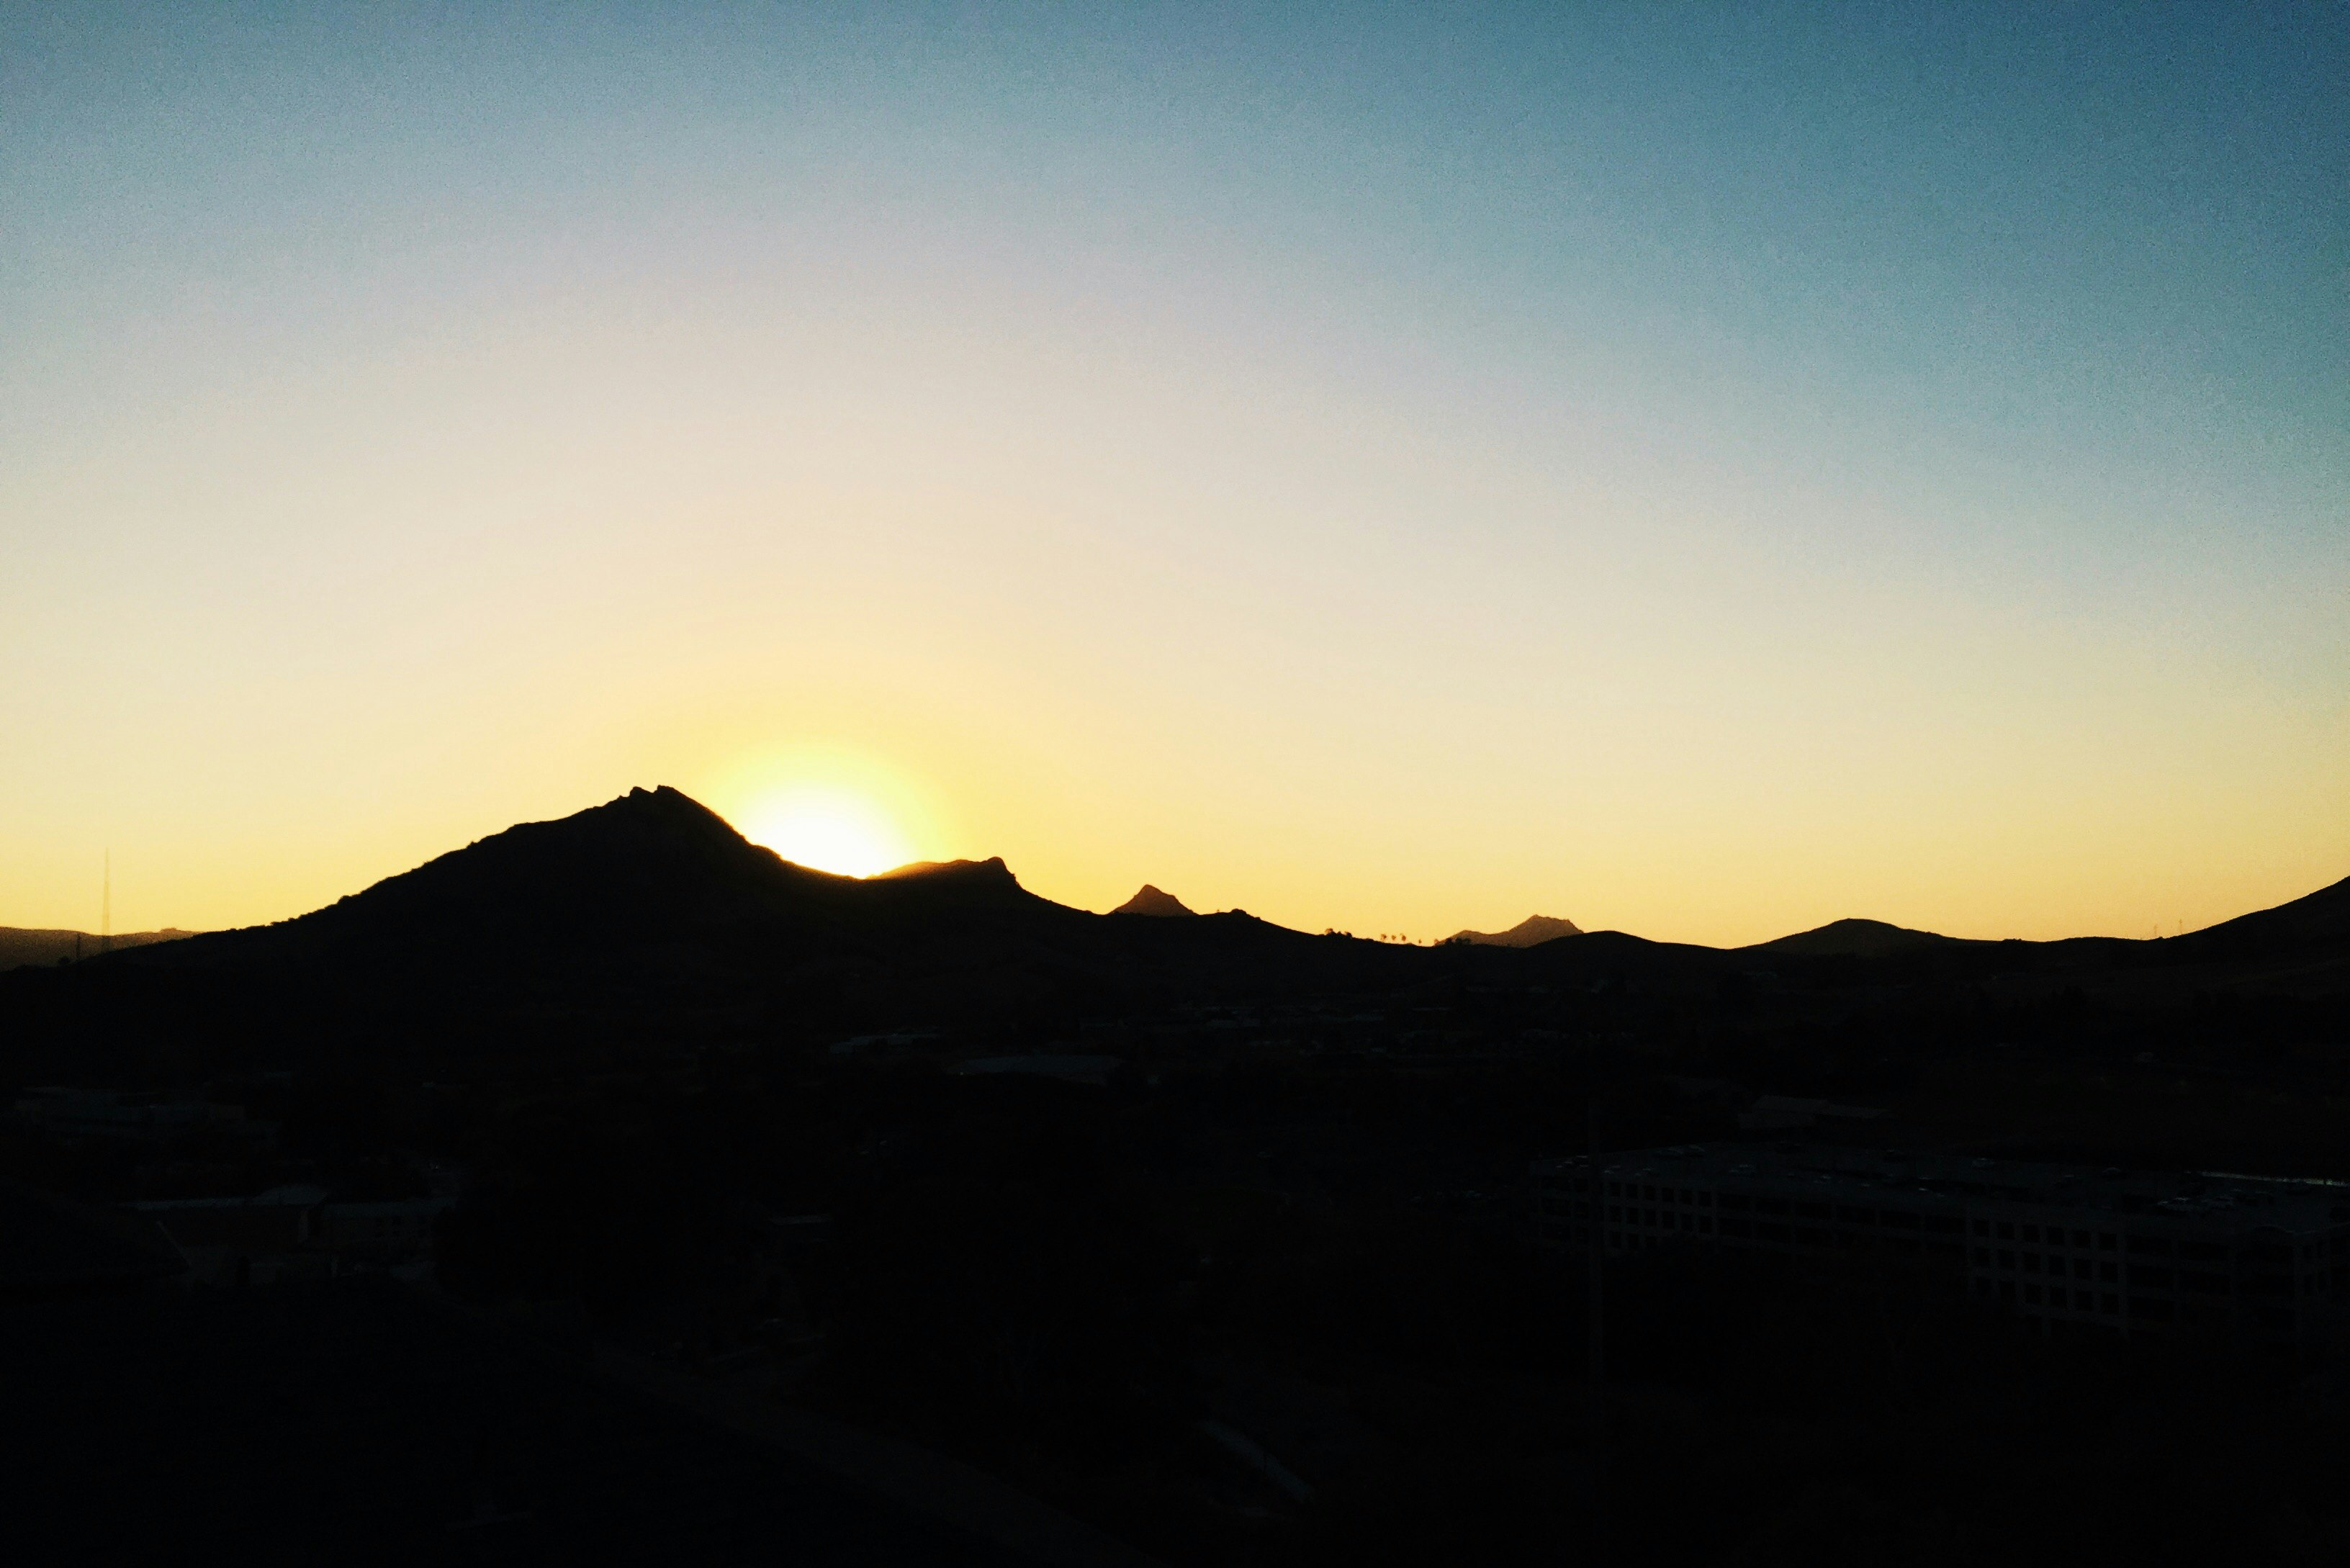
[{"x": 106, "y": 906}]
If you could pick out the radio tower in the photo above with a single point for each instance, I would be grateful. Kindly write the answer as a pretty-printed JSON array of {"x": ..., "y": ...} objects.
[{"x": 106, "y": 908}]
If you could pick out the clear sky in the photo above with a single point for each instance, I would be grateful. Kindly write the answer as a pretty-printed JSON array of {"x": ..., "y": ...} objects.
[{"x": 1698, "y": 469}]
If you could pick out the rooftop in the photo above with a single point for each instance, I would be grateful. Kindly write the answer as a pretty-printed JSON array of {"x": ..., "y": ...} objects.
[{"x": 2211, "y": 1200}]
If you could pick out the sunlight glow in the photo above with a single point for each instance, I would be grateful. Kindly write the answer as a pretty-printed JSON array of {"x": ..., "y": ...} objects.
[{"x": 829, "y": 829}]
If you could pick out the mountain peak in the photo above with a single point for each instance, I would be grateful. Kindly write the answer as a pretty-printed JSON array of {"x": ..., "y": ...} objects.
[
  {"x": 1532, "y": 931},
  {"x": 1151, "y": 901}
]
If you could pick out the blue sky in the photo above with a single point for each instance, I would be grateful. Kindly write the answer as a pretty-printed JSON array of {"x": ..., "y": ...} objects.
[{"x": 1697, "y": 469}]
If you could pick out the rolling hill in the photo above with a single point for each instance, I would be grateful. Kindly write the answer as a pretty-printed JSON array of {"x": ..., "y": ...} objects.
[{"x": 649, "y": 917}]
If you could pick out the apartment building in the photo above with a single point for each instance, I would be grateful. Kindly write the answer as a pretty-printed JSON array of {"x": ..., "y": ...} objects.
[{"x": 2069, "y": 1247}]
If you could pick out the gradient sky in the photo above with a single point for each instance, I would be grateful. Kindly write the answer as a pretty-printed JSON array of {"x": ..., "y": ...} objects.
[{"x": 1698, "y": 470}]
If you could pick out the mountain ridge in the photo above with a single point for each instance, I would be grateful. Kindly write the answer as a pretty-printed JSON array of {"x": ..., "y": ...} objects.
[
  {"x": 1532, "y": 931},
  {"x": 652, "y": 905}
]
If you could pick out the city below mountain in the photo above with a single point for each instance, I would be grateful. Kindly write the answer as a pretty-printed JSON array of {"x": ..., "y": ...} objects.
[{"x": 927, "y": 1153}]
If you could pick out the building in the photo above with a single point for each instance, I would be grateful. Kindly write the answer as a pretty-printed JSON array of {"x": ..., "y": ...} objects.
[
  {"x": 292, "y": 1232},
  {"x": 247, "y": 1241},
  {"x": 2071, "y": 1248},
  {"x": 385, "y": 1232},
  {"x": 110, "y": 1113}
]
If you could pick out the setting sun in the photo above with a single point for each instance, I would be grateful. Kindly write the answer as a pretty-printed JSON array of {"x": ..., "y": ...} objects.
[{"x": 829, "y": 830}]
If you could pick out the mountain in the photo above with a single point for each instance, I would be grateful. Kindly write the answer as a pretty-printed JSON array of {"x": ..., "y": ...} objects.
[
  {"x": 20, "y": 946},
  {"x": 1151, "y": 901},
  {"x": 649, "y": 915},
  {"x": 1532, "y": 931},
  {"x": 649, "y": 919},
  {"x": 2316, "y": 922},
  {"x": 1853, "y": 938},
  {"x": 648, "y": 882}
]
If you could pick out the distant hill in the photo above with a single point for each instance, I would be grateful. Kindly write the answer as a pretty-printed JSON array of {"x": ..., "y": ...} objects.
[
  {"x": 651, "y": 908},
  {"x": 1532, "y": 931},
  {"x": 649, "y": 918},
  {"x": 1855, "y": 938},
  {"x": 2320, "y": 919},
  {"x": 20, "y": 946},
  {"x": 1151, "y": 901}
]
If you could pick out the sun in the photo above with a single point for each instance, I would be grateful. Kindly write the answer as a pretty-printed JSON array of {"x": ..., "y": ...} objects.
[{"x": 829, "y": 829}]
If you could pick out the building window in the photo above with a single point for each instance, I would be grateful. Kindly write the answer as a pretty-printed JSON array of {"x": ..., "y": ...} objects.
[
  {"x": 1982, "y": 1226},
  {"x": 2006, "y": 1259},
  {"x": 2031, "y": 1263},
  {"x": 2081, "y": 1239},
  {"x": 2006, "y": 1231},
  {"x": 1982, "y": 1256},
  {"x": 2108, "y": 1273},
  {"x": 2109, "y": 1305},
  {"x": 2032, "y": 1233},
  {"x": 2031, "y": 1295},
  {"x": 2105, "y": 1242}
]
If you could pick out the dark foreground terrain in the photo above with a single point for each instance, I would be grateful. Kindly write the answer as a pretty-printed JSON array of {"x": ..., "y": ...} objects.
[
  {"x": 1214, "y": 1235},
  {"x": 353, "y": 1421}
]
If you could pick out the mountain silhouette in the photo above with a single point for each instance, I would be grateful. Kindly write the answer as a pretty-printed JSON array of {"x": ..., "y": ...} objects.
[
  {"x": 650, "y": 917},
  {"x": 650, "y": 889},
  {"x": 652, "y": 907},
  {"x": 1151, "y": 901},
  {"x": 1853, "y": 938},
  {"x": 1532, "y": 931},
  {"x": 22, "y": 946}
]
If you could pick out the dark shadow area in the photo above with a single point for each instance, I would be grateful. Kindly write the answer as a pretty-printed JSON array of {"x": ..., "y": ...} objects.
[{"x": 1219, "y": 1238}]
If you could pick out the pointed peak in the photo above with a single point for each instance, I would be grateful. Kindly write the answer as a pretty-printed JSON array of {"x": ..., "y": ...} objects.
[
  {"x": 1151, "y": 901},
  {"x": 1529, "y": 932}
]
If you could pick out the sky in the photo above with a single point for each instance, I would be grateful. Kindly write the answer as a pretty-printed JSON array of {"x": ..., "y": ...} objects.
[{"x": 1699, "y": 471}]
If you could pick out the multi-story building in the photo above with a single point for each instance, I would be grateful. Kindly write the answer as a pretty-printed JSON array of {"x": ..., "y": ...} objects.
[{"x": 2069, "y": 1247}]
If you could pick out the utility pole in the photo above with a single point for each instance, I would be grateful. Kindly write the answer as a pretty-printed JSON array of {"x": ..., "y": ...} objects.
[{"x": 1596, "y": 1231}]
